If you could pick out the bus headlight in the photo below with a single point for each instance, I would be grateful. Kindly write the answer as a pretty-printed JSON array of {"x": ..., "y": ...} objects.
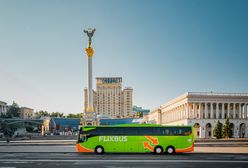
[{"x": 189, "y": 140}]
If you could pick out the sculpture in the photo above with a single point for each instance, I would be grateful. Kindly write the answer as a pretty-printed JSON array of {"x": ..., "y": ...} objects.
[{"x": 90, "y": 33}]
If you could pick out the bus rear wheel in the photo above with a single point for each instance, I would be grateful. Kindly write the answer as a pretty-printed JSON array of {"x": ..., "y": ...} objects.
[
  {"x": 99, "y": 150},
  {"x": 158, "y": 150},
  {"x": 170, "y": 150}
]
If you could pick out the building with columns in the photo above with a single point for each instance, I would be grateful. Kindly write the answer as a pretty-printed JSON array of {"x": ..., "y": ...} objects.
[
  {"x": 3, "y": 107},
  {"x": 203, "y": 109},
  {"x": 110, "y": 99}
]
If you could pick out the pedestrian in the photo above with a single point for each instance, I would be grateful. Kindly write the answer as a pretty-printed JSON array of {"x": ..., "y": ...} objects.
[{"x": 7, "y": 139}]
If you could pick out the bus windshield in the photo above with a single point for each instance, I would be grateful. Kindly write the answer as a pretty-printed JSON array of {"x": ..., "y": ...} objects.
[{"x": 82, "y": 137}]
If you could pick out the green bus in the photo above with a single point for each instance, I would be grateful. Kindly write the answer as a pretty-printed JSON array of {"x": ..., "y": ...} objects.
[{"x": 140, "y": 138}]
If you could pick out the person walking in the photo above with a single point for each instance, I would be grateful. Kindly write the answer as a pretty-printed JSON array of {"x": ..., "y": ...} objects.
[{"x": 7, "y": 139}]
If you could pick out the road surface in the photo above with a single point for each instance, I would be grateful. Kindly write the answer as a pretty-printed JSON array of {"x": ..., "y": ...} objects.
[
  {"x": 71, "y": 160},
  {"x": 50, "y": 156},
  {"x": 71, "y": 148}
]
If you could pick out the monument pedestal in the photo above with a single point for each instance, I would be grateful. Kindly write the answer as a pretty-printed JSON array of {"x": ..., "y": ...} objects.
[{"x": 89, "y": 118}]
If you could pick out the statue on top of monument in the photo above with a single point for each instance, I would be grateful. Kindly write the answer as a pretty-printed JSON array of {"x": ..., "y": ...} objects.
[{"x": 90, "y": 33}]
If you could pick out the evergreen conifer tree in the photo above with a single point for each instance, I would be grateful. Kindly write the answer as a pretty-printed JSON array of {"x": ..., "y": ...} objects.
[
  {"x": 218, "y": 130},
  {"x": 227, "y": 131}
]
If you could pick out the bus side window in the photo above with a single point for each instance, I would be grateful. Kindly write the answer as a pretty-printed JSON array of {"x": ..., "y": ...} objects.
[
  {"x": 125, "y": 131},
  {"x": 173, "y": 131},
  {"x": 180, "y": 131},
  {"x": 93, "y": 132},
  {"x": 111, "y": 131},
  {"x": 165, "y": 131},
  {"x": 121, "y": 131},
  {"x": 107, "y": 131},
  {"x": 187, "y": 131},
  {"x": 156, "y": 131},
  {"x": 142, "y": 131},
  {"x": 133, "y": 131},
  {"x": 117, "y": 131}
]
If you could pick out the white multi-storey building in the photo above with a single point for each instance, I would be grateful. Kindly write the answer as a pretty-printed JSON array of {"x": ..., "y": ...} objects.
[
  {"x": 203, "y": 110},
  {"x": 3, "y": 107},
  {"x": 109, "y": 98}
]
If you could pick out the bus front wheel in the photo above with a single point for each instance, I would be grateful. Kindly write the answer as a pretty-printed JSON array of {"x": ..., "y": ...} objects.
[
  {"x": 99, "y": 150},
  {"x": 158, "y": 150},
  {"x": 170, "y": 150}
]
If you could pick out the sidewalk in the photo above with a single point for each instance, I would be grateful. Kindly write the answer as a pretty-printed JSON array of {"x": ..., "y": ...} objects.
[
  {"x": 223, "y": 140},
  {"x": 221, "y": 144},
  {"x": 221, "y": 150},
  {"x": 38, "y": 142}
]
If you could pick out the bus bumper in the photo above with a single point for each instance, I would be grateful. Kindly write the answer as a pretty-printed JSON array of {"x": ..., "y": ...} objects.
[
  {"x": 80, "y": 148},
  {"x": 189, "y": 149}
]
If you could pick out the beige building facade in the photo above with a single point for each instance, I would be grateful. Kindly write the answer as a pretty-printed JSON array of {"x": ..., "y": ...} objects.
[
  {"x": 26, "y": 113},
  {"x": 154, "y": 117},
  {"x": 203, "y": 109},
  {"x": 110, "y": 99}
]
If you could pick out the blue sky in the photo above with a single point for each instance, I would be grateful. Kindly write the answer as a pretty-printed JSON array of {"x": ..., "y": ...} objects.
[{"x": 161, "y": 48}]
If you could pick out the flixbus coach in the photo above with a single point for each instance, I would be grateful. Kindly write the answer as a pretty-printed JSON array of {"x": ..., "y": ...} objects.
[{"x": 135, "y": 138}]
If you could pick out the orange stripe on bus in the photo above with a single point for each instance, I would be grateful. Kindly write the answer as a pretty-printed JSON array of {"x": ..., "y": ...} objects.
[
  {"x": 81, "y": 148},
  {"x": 190, "y": 149},
  {"x": 148, "y": 146},
  {"x": 152, "y": 139}
]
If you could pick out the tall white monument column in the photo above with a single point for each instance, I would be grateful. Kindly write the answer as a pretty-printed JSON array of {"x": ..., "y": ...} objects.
[{"x": 89, "y": 117}]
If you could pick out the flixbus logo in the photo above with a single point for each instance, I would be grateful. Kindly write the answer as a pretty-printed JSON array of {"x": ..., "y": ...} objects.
[
  {"x": 112, "y": 138},
  {"x": 149, "y": 144}
]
